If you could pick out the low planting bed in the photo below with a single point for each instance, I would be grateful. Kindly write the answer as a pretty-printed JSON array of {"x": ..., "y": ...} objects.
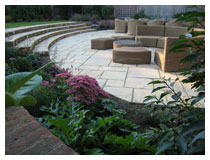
[{"x": 90, "y": 121}]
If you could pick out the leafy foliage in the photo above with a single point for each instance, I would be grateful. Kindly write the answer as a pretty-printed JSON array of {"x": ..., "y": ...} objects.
[
  {"x": 140, "y": 14},
  {"x": 18, "y": 84},
  {"x": 80, "y": 127},
  {"x": 22, "y": 64},
  {"x": 185, "y": 131}
]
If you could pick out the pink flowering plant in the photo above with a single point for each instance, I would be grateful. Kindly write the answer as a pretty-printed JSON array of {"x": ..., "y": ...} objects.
[
  {"x": 79, "y": 88},
  {"x": 85, "y": 89}
]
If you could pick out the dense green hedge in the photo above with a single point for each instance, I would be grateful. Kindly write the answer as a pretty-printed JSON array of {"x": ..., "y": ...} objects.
[
  {"x": 29, "y": 13},
  {"x": 46, "y": 12}
]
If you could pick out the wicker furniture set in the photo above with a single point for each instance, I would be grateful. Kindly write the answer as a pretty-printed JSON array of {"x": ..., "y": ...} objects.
[{"x": 156, "y": 33}]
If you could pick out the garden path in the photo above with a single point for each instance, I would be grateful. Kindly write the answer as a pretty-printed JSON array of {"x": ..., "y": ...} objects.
[{"x": 128, "y": 82}]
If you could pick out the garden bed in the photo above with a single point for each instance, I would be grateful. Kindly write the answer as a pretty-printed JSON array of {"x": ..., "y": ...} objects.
[{"x": 86, "y": 118}]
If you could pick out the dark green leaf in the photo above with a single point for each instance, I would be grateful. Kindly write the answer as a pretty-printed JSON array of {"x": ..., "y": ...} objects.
[
  {"x": 147, "y": 98},
  {"x": 155, "y": 82},
  {"x": 200, "y": 135},
  {"x": 198, "y": 149},
  {"x": 193, "y": 114},
  {"x": 158, "y": 88},
  {"x": 17, "y": 80},
  {"x": 150, "y": 103},
  {"x": 94, "y": 151},
  {"x": 27, "y": 101},
  {"x": 165, "y": 94},
  {"x": 177, "y": 96},
  {"x": 164, "y": 146},
  {"x": 197, "y": 125},
  {"x": 183, "y": 144},
  {"x": 171, "y": 102},
  {"x": 164, "y": 136}
]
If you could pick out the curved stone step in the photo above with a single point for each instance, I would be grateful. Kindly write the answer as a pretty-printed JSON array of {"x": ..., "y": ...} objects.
[
  {"x": 29, "y": 43},
  {"x": 16, "y": 30},
  {"x": 43, "y": 47},
  {"x": 13, "y": 40}
]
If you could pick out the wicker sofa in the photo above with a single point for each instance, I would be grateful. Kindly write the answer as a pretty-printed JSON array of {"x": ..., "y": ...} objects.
[{"x": 160, "y": 37}]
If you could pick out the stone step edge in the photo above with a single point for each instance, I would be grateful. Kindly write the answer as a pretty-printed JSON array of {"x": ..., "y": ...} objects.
[
  {"x": 12, "y": 43},
  {"x": 46, "y": 53},
  {"x": 36, "y": 27},
  {"x": 39, "y": 40}
]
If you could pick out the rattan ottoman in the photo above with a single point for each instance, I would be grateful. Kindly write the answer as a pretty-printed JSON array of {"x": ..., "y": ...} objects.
[
  {"x": 131, "y": 55},
  {"x": 102, "y": 43}
]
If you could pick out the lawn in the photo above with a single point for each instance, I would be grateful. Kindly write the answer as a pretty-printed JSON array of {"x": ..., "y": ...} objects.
[{"x": 20, "y": 24}]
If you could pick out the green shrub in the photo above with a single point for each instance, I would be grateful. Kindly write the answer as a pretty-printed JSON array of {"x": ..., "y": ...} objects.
[
  {"x": 107, "y": 12},
  {"x": 140, "y": 14},
  {"x": 177, "y": 15},
  {"x": 34, "y": 59},
  {"x": 29, "y": 12},
  {"x": 86, "y": 18},
  {"x": 22, "y": 64},
  {"x": 76, "y": 17},
  {"x": 95, "y": 17},
  {"x": 8, "y": 19},
  {"x": 9, "y": 69},
  {"x": 10, "y": 52}
]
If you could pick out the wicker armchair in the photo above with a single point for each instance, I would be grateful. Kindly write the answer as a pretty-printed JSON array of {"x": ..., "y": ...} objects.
[
  {"x": 132, "y": 26},
  {"x": 170, "y": 62},
  {"x": 120, "y": 26}
]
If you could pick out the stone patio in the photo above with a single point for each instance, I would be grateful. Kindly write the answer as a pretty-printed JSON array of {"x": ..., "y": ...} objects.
[{"x": 125, "y": 81}]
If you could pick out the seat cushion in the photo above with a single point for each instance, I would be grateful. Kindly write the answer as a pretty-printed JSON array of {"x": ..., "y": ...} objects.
[
  {"x": 143, "y": 30},
  {"x": 123, "y": 37},
  {"x": 156, "y": 22},
  {"x": 172, "y": 31},
  {"x": 148, "y": 41}
]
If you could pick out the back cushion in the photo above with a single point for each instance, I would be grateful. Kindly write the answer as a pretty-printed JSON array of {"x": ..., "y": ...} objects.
[
  {"x": 174, "y": 23},
  {"x": 156, "y": 22},
  {"x": 132, "y": 26},
  {"x": 150, "y": 30},
  {"x": 172, "y": 31}
]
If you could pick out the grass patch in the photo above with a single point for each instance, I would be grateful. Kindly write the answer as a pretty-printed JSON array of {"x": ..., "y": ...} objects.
[{"x": 20, "y": 24}]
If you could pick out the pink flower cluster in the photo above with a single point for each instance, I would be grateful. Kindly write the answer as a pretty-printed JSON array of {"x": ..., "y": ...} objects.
[
  {"x": 85, "y": 89},
  {"x": 47, "y": 84},
  {"x": 65, "y": 74}
]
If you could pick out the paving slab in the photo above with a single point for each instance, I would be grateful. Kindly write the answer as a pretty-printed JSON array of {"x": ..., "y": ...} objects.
[
  {"x": 114, "y": 75},
  {"x": 124, "y": 93},
  {"x": 114, "y": 83},
  {"x": 94, "y": 74},
  {"x": 143, "y": 73},
  {"x": 138, "y": 83},
  {"x": 97, "y": 62}
]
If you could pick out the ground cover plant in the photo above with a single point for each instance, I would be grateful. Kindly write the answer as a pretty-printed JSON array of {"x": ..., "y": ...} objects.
[{"x": 86, "y": 119}]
